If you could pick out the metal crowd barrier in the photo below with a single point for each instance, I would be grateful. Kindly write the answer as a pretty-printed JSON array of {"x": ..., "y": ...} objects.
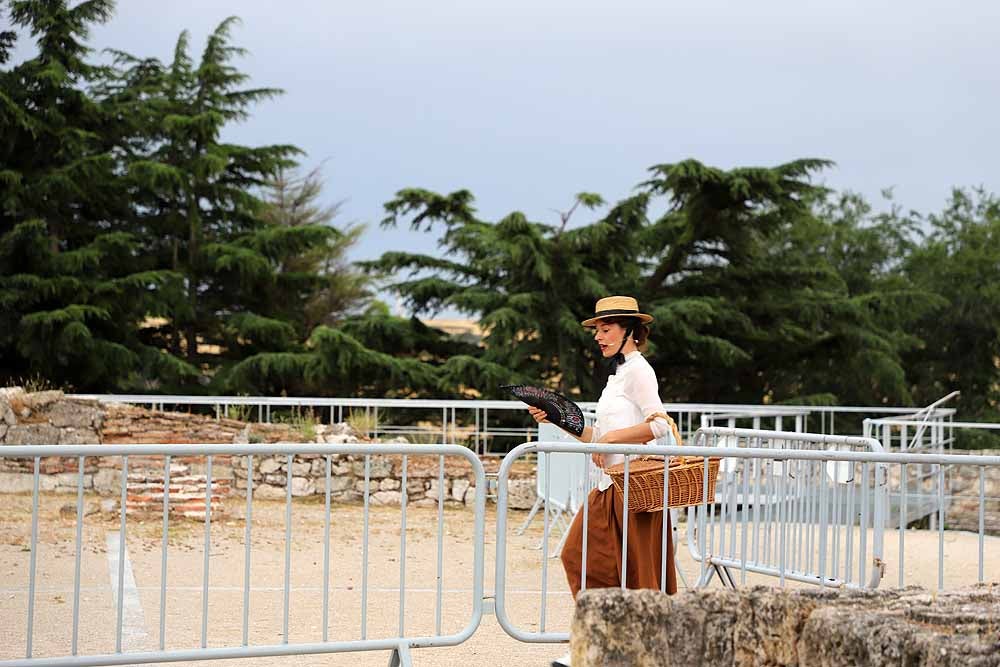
[
  {"x": 805, "y": 515},
  {"x": 791, "y": 518},
  {"x": 399, "y": 643}
]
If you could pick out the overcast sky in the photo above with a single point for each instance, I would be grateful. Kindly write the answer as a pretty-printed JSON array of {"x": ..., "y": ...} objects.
[{"x": 526, "y": 102}]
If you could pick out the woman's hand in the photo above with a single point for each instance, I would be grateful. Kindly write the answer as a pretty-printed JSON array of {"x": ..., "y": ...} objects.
[
  {"x": 605, "y": 439},
  {"x": 538, "y": 415}
]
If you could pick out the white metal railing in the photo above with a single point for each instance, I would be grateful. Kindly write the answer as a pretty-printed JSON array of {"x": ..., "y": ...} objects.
[{"x": 470, "y": 422}]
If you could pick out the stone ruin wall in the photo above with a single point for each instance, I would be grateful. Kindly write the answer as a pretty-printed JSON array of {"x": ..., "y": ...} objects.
[{"x": 46, "y": 418}]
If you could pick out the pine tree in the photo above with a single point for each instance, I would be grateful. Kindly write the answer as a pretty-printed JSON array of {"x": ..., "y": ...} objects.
[
  {"x": 529, "y": 283},
  {"x": 71, "y": 288},
  {"x": 960, "y": 262},
  {"x": 751, "y": 308},
  {"x": 739, "y": 272},
  {"x": 291, "y": 200},
  {"x": 198, "y": 199}
]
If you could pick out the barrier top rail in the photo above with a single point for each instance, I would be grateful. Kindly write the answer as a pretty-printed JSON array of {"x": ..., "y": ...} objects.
[
  {"x": 813, "y": 438},
  {"x": 762, "y": 452}
]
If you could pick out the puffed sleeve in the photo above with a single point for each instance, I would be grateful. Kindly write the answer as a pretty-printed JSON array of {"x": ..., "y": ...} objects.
[{"x": 641, "y": 388}]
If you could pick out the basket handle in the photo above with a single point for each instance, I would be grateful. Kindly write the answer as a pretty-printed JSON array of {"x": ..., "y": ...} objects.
[{"x": 670, "y": 422}]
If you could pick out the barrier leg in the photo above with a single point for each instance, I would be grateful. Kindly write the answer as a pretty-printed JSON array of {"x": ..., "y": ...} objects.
[
  {"x": 401, "y": 656},
  {"x": 674, "y": 532},
  {"x": 531, "y": 515},
  {"x": 562, "y": 543}
]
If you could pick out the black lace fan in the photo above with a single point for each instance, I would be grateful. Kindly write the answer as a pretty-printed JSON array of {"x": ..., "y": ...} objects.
[{"x": 561, "y": 411}]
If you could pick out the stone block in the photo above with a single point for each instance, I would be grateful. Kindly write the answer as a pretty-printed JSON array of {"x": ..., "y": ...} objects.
[
  {"x": 71, "y": 479},
  {"x": 73, "y": 414},
  {"x": 270, "y": 465},
  {"x": 458, "y": 489},
  {"x": 337, "y": 484},
  {"x": 32, "y": 434},
  {"x": 303, "y": 486},
  {"x": 380, "y": 466},
  {"x": 107, "y": 480},
  {"x": 521, "y": 494},
  {"x": 268, "y": 492},
  {"x": 769, "y": 626},
  {"x": 40, "y": 400},
  {"x": 432, "y": 491},
  {"x": 386, "y": 498},
  {"x": 78, "y": 436},
  {"x": 19, "y": 482}
]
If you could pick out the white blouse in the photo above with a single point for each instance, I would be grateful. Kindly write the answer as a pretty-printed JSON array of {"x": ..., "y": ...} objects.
[{"x": 630, "y": 397}]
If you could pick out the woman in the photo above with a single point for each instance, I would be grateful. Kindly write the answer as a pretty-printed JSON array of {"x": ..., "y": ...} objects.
[{"x": 629, "y": 411}]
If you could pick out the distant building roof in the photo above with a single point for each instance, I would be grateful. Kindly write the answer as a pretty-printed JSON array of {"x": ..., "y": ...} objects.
[{"x": 457, "y": 327}]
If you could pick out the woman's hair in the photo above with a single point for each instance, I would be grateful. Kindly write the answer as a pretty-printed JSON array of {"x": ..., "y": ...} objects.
[{"x": 640, "y": 331}]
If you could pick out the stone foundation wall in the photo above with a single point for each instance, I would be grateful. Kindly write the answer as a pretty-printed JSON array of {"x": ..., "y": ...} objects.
[
  {"x": 49, "y": 418},
  {"x": 767, "y": 626}
]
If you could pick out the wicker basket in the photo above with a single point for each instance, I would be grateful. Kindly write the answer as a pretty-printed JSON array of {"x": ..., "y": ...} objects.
[{"x": 645, "y": 482}]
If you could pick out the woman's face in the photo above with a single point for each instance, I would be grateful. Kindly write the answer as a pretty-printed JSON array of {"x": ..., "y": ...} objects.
[{"x": 609, "y": 337}]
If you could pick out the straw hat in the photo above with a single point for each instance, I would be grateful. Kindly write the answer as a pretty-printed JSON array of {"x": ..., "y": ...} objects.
[{"x": 617, "y": 306}]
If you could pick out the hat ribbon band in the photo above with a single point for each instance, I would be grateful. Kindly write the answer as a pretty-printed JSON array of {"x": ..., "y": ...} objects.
[{"x": 616, "y": 311}]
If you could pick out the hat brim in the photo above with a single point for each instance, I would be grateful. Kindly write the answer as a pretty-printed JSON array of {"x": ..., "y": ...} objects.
[{"x": 642, "y": 317}]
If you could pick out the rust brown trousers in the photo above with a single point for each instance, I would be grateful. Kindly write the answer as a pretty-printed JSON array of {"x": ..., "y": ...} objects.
[{"x": 604, "y": 546}]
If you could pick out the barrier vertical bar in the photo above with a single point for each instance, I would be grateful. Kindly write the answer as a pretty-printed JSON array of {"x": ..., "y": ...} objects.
[
  {"x": 781, "y": 521},
  {"x": 76, "y": 561},
  {"x": 246, "y": 551},
  {"x": 747, "y": 466},
  {"x": 940, "y": 527},
  {"x": 208, "y": 551},
  {"x": 863, "y": 554},
  {"x": 758, "y": 465},
  {"x": 902, "y": 524},
  {"x": 33, "y": 560},
  {"x": 823, "y": 516},
  {"x": 851, "y": 514},
  {"x": 288, "y": 548},
  {"x": 545, "y": 544},
  {"x": 625, "y": 517},
  {"x": 402, "y": 551},
  {"x": 733, "y": 514},
  {"x": 163, "y": 551},
  {"x": 121, "y": 558},
  {"x": 665, "y": 523},
  {"x": 701, "y": 522},
  {"x": 837, "y": 514},
  {"x": 722, "y": 487},
  {"x": 326, "y": 547},
  {"x": 811, "y": 504},
  {"x": 440, "y": 546},
  {"x": 364, "y": 550},
  {"x": 586, "y": 515},
  {"x": 982, "y": 525}
]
